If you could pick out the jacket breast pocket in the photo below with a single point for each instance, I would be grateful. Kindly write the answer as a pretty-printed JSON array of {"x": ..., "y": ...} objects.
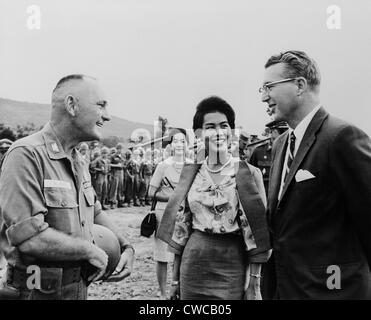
[
  {"x": 308, "y": 184},
  {"x": 62, "y": 209}
]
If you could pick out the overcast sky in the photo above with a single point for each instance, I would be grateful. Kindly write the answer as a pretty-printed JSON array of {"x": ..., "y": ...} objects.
[{"x": 161, "y": 57}]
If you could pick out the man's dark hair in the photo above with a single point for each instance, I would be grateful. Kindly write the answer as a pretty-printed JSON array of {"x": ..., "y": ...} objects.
[
  {"x": 298, "y": 64},
  {"x": 70, "y": 77},
  {"x": 211, "y": 105}
]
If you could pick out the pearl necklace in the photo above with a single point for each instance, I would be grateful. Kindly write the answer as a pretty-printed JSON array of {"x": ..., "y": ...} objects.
[
  {"x": 178, "y": 166},
  {"x": 221, "y": 168}
]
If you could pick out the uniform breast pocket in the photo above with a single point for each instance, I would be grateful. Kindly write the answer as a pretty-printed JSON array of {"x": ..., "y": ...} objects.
[
  {"x": 62, "y": 209},
  {"x": 89, "y": 196},
  {"x": 59, "y": 198}
]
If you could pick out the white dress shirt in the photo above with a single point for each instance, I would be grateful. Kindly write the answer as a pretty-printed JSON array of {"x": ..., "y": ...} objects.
[{"x": 299, "y": 134}]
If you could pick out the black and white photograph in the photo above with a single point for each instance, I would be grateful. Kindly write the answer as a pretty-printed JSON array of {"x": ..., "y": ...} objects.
[{"x": 162, "y": 150}]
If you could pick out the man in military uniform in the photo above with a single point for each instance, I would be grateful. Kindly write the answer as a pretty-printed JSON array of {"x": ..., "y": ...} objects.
[
  {"x": 129, "y": 178},
  {"x": 48, "y": 206},
  {"x": 116, "y": 193},
  {"x": 84, "y": 151},
  {"x": 102, "y": 167},
  {"x": 262, "y": 155},
  {"x": 146, "y": 172},
  {"x": 92, "y": 159},
  {"x": 243, "y": 141},
  {"x": 137, "y": 162}
]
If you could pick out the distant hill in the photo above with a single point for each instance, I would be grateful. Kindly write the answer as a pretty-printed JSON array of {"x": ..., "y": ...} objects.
[{"x": 14, "y": 112}]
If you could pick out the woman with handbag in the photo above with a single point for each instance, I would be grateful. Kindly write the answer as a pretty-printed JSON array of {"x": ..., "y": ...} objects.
[
  {"x": 221, "y": 238},
  {"x": 162, "y": 185}
]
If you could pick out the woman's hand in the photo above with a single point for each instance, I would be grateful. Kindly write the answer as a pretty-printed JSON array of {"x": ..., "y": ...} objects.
[
  {"x": 253, "y": 290},
  {"x": 175, "y": 290}
]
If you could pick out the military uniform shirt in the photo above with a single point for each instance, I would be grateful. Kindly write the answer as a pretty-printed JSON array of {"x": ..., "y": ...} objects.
[{"x": 40, "y": 187}]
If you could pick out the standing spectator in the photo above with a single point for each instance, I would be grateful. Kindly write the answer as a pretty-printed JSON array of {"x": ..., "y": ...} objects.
[
  {"x": 243, "y": 141},
  {"x": 137, "y": 162},
  {"x": 112, "y": 152},
  {"x": 146, "y": 171},
  {"x": 162, "y": 186},
  {"x": 102, "y": 167},
  {"x": 262, "y": 154},
  {"x": 84, "y": 151},
  {"x": 129, "y": 178},
  {"x": 116, "y": 192},
  {"x": 95, "y": 155}
]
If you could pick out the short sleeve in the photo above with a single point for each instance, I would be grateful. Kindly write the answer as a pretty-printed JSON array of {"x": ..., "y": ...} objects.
[
  {"x": 22, "y": 203},
  {"x": 158, "y": 175}
]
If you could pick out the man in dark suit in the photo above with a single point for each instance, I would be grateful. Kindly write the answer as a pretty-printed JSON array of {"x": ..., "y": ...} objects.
[{"x": 319, "y": 200}]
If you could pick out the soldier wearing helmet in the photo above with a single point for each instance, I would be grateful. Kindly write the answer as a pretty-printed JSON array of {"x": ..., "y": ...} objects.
[
  {"x": 102, "y": 167},
  {"x": 116, "y": 192},
  {"x": 84, "y": 151},
  {"x": 129, "y": 178},
  {"x": 262, "y": 155},
  {"x": 137, "y": 162}
]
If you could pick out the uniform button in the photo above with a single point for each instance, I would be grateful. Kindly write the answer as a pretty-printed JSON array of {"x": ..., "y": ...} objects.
[
  {"x": 222, "y": 229},
  {"x": 239, "y": 212},
  {"x": 83, "y": 223},
  {"x": 63, "y": 203},
  {"x": 230, "y": 221}
]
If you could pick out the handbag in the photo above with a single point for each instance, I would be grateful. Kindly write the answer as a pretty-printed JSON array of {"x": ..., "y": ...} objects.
[{"x": 149, "y": 223}]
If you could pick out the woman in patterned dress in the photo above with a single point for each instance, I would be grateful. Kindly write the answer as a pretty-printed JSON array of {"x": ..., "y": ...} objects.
[{"x": 221, "y": 238}]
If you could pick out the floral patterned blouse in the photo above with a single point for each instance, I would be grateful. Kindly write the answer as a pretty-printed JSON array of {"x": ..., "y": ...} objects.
[{"x": 214, "y": 208}]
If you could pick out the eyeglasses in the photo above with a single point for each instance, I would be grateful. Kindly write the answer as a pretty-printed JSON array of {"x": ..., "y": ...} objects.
[{"x": 267, "y": 87}]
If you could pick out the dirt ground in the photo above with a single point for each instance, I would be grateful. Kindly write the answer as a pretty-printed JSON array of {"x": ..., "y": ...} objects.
[{"x": 142, "y": 284}]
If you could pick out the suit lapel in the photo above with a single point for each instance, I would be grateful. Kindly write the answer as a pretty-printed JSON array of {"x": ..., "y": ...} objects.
[
  {"x": 308, "y": 140},
  {"x": 276, "y": 171}
]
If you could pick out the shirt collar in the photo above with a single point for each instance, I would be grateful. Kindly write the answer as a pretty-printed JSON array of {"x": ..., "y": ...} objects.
[
  {"x": 52, "y": 143},
  {"x": 303, "y": 125}
]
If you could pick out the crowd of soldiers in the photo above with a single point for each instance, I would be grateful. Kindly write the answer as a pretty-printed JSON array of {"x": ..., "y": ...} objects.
[{"x": 121, "y": 176}]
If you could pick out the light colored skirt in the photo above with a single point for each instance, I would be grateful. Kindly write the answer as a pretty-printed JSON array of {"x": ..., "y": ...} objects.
[{"x": 160, "y": 248}]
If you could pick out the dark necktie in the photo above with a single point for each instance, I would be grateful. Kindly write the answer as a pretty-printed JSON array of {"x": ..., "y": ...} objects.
[{"x": 290, "y": 158}]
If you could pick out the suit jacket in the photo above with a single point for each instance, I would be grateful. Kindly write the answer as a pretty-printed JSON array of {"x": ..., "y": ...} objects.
[{"x": 324, "y": 221}]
